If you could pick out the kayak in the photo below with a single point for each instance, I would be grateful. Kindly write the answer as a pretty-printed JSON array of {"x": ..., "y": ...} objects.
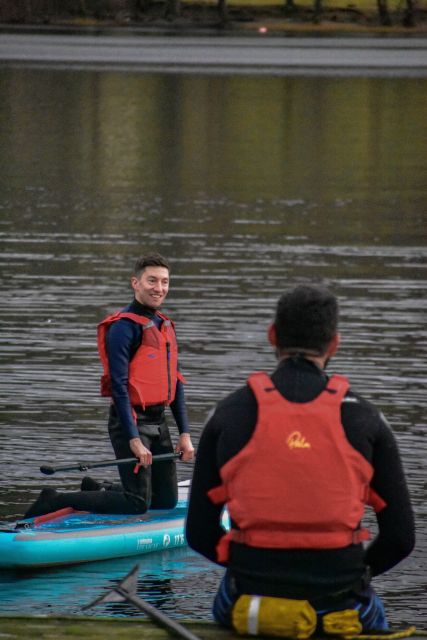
[{"x": 70, "y": 537}]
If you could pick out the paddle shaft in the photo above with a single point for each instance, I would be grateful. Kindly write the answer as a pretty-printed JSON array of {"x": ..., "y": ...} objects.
[
  {"x": 158, "y": 616},
  {"x": 84, "y": 466}
]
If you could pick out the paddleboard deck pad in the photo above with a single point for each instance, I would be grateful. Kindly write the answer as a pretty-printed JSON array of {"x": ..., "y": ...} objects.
[{"x": 71, "y": 537}]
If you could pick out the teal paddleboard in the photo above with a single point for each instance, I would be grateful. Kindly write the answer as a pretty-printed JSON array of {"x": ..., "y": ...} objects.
[{"x": 71, "y": 538}]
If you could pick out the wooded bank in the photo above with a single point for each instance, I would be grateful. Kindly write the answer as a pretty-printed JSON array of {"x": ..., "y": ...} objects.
[{"x": 387, "y": 13}]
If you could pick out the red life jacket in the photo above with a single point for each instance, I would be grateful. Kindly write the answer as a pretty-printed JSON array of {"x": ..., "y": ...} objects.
[
  {"x": 298, "y": 483},
  {"x": 153, "y": 370}
]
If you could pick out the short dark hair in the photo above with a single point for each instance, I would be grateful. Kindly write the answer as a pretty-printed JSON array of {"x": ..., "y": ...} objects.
[
  {"x": 150, "y": 260},
  {"x": 306, "y": 319}
]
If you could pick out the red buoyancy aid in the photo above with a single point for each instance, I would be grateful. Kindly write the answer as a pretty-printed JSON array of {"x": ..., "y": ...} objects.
[
  {"x": 298, "y": 482},
  {"x": 153, "y": 371}
]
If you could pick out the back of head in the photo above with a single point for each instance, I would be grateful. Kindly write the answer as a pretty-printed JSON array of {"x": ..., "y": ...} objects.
[
  {"x": 306, "y": 319},
  {"x": 150, "y": 260}
]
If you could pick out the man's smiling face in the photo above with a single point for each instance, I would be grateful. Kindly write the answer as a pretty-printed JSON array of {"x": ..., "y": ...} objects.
[{"x": 152, "y": 286}]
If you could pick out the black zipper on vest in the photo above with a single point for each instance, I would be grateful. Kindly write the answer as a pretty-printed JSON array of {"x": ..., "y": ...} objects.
[{"x": 169, "y": 370}]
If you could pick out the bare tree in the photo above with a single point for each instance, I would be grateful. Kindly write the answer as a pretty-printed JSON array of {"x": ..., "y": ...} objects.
[
  {"x": 408, "y": 17},
  {"x": 290, "y": 6},
  {"x": 318, "y": 8},
  {"x": 223, "y": 10},
  {"x": 172, "y": 9},
  {"x": 139, "y": 6},
  {"x": 383, "y": 13}
]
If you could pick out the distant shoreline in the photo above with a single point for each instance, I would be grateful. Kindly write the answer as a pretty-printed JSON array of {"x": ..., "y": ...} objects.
[{"x": 197, "y": 19}]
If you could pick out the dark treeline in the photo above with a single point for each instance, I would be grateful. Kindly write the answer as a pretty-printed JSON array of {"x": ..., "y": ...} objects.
[
  {"x": 134, "y": 11},
  {"x": 45, "y": 10}
]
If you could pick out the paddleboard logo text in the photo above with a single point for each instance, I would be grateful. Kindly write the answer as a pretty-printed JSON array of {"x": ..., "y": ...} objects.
[
  {"x": 143, "y": 542},
  {"x": 297, "y": 441}
]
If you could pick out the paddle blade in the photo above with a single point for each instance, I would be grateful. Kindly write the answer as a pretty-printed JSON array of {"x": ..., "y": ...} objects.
[
  {"x": 48, "y": 471},
  {"x": 126, "y": 591},
  {"x": 121, "y": 592}
]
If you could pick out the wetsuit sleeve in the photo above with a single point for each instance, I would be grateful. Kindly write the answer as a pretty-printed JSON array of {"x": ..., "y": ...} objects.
[
  {"x": 396, "y": 535},
  {"x": 203, "y": 525},
  {"x": 122, "y": 339},
  {"x": 179, "y": 409}
]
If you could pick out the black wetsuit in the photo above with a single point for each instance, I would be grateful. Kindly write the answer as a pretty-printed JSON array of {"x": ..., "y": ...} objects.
[
  {"x": 155, "y": 486},
  {"x": 301, "y": 573}
]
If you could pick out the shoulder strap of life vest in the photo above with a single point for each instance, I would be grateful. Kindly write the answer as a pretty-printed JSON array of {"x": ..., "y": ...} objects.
[
  {"x": 337, "y": 385},
  {"x": 167, "y": 322},
  {"x": 146, "y": 323},
  {"x": 263, "y": 386},
  {"x": 143, "y": 320},
  {"x": 107, "y": 322}
]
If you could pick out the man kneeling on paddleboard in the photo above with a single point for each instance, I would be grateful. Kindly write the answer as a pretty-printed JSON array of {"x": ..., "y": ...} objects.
[
  {"x": 295, "y": 457},
  {"x": 139, "y": 354}
]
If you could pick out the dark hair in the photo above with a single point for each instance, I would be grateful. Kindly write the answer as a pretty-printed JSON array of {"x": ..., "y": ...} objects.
[
  {"x": 306, "y": 319},
  {"x": 150, "y": 260}
]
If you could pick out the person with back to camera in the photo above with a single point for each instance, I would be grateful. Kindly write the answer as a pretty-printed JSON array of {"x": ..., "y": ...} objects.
[
  {"x": 295, "y": 457},
  {"x": 139, "y": 353}
]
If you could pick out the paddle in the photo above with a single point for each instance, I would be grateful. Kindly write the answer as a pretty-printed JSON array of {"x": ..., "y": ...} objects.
[
  {"x": 84, "y": 466},
  {"x": 126, "y": 591}
]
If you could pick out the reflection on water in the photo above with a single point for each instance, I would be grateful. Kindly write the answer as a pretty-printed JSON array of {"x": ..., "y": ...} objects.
[
  {"x": 248, "y": 185},
  {"x": 165, "y": 579}
]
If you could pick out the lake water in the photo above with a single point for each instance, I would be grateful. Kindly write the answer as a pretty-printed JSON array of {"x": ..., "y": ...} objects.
[{"x": 249, "y": 185}]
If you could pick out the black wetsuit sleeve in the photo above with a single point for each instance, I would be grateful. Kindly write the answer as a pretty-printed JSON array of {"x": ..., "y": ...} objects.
[
  {"x": 396, "y": 536},
  {"x": 227, "y": 430},
  {"x": 203, "y": 526},
  {"x": 123, "y": 338},
  {"x": 368, "y": 432},
  {"x": 179, "y": 409}
]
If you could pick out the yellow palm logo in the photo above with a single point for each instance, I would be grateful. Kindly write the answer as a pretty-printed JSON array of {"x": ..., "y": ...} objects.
[{"x": 297, "y": 441}]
